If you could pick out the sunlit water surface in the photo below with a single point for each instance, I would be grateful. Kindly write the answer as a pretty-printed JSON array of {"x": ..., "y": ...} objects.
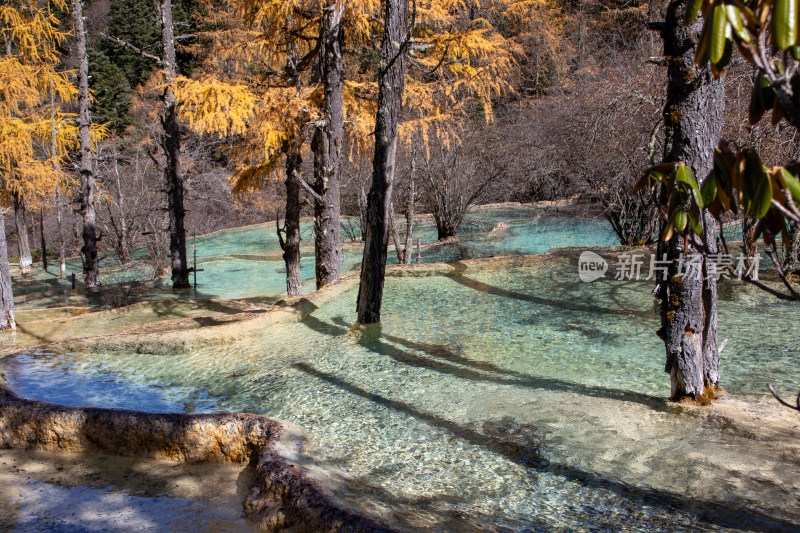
[{"x": 511, "y": 398}]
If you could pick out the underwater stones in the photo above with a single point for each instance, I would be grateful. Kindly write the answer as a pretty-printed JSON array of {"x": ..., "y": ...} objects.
[
  {"x": 518, "y": 441},
  {"x": 282, "y": 496}
]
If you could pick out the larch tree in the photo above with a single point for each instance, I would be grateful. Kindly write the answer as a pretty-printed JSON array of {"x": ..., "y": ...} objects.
[
  {"x": 169, "y": 140},
  {"x": 275, "y": 77},
  {"x": 254, "y": 85},
  {"x": 453, "y": 75},
  {"x": 171, "y": 145},
  {"x": 28, "y": 73},
  {"x": 327, "y": 144},
  {"x": 462, "y": 63},
  {"x": 91, "y": 268},
  {"x": 337, "y": 22},
  {"x": 391, "y": 82}
]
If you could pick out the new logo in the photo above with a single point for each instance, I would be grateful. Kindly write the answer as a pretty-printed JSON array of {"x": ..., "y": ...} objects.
[{"x": 591, "y": 266}]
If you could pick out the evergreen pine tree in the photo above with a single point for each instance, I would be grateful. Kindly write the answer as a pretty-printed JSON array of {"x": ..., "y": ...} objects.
[
  {"x": 135, "y": 22},
  {"x": 111, "y": 92}
]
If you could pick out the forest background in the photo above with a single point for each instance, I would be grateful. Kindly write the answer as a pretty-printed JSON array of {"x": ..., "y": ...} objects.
[{"x": 578, "y": 113}]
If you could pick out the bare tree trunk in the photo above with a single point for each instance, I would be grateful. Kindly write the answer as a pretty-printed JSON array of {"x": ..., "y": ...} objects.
[
  {"x": 327, "y": 147},
  {"x": 53, "y": 152},
  {"x": 693, "y": 113},
  {"x": 41, "y": 236},
  {"x": 119, "y": 223},
  {"x": 7, "y": 319},
  {"x": 291, "y": 227},
  {"x": 790, "y": 253},
  {"x": 89, "y": 249},
  {"x": 62, "y": 253},
  {"x": 391, "y": 82},
  {"x": 410, "y": 211},
  {"x": 171, "y": 144},
  {"x": 749, "y": 224},
  {"x": 23, "y": 244},
  {"x": 398, "y": 250}
]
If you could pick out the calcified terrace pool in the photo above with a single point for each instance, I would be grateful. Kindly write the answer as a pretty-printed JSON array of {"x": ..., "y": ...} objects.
[
  {"x": 247, "y": 263},
  {"x": 502, "y": 395}
]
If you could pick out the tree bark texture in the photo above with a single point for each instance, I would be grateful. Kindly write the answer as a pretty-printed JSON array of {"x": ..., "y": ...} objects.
[
  {"x": 291, "y": 229},
  {"x": 327, "y": 146},
  {"x": 89, "y": 249},
  {"x": 7, "y": 320},
  {"x": 693, "y": 113},
  {"x": 23, "y": 244},
  {"x": 390, "y": 98},
  {"x": 53, "y": 151},
  {"x": 171, "y": 144}
]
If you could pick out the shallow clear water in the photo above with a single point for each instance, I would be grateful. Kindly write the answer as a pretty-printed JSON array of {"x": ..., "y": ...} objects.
[
  {"x": 508, "y": 398},
  {"x": 246, "y": 262},
  {"x": 83, "y": 492}
]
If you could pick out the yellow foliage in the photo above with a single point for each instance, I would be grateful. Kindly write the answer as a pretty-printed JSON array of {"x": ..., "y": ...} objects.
[
  {"x": 29, "y": 124},
  {"x": 250, "y": 86},
  {"x": 211, "y": 106}
]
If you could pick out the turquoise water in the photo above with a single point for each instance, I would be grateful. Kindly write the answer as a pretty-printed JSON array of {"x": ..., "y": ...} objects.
[
  {"x": 514, "y": 398},
  {"x": 246, "y": 262}
]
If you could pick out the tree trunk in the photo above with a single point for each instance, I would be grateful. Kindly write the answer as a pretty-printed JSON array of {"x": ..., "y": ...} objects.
[
  {"x": 62, "y": 254},
  {"x": 291, "y": 228},
  {"x": 749, "y": 224},
  {"x": 89, "y": 249},
  {"x": 7, "y": 320},
  {"x": 693, "y": 114},
  {"x": 171, "y": 144},
  {"x": 23, "y": 244},
  {"x": 327, "y": 146},
  {"x": 410, "y": 209},
  {"x": 53, "y": 154},
  {"x": 390, "y": 98},
  {"x": 41, "y": 237},
  {"x": 790, "y": 253},
  {"x": 398, "y": 250}
]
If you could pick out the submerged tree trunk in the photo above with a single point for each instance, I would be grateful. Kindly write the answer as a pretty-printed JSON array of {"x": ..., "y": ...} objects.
[
  {"x": 291, "y": 226},
  {"x": 7, "y": 319},
  {"x": 23, "y": 244},
  {"x": 171, "y": 144},
  {"x": 89, "y": 249},
  {"x": 327, "y": 147},
  {"x": 390, "y": 97},
  {"x": 693, "y": 113}
]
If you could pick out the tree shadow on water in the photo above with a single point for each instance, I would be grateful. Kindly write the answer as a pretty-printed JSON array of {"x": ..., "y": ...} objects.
[
  {"x": 704, "y": 511},
  {"x": 460, "y": 269},
  {"x": 441, "y": 359}
]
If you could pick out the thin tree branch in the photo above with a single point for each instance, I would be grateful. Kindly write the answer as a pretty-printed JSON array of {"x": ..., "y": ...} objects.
[{"x": 136, "y": 49}]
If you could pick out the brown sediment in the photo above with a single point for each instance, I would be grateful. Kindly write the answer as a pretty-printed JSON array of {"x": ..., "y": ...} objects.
[
  {"x": 283, "y": 497},
  {"x": 711, "y": 393}
]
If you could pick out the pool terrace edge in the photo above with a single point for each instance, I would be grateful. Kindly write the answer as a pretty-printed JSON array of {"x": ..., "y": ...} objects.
[{"x": 283, "y": 496}]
